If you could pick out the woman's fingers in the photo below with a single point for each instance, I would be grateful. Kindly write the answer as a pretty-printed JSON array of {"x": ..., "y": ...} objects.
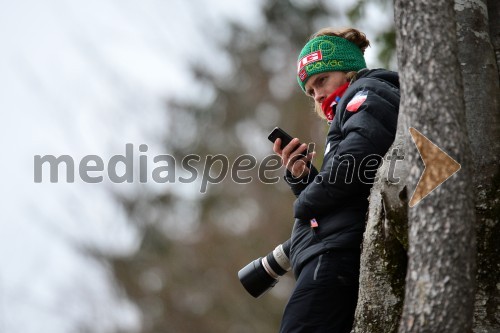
[
  {"x": 277, "y": 146},
  {"x": 294, "y": 156}
]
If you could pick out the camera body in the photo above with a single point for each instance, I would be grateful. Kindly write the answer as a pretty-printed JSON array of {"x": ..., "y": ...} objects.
[{"x": 263, "y": 273}]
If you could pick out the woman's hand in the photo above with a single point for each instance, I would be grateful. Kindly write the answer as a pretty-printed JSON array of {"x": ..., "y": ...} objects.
[{"x": 292, "y": 157}]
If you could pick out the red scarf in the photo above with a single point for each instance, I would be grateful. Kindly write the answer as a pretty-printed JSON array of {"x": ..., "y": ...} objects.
[{"x": 328, "y": 105}]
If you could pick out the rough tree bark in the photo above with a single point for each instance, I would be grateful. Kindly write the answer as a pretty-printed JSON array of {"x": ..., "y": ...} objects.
[
  {"x": 439, "y": 294},
  {"x": 481, "y": 91},
  {"x": 494, "y": 25},
  {"x": 385, "y": 242},
  {"x": 383, "y": 260},
  {"x": 480, "y": 81}
]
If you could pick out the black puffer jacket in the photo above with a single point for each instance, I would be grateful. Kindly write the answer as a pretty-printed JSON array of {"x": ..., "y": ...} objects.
[{"x": 362, "y": 131}]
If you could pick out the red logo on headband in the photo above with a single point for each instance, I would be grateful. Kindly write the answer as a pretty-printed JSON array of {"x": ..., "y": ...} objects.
[
  {"x": 311, "y": 57},
  {"x": 302, "y": 74}
]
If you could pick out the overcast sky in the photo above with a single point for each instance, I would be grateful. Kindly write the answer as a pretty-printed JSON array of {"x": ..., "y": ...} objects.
[{"x": 80, "y": 78}]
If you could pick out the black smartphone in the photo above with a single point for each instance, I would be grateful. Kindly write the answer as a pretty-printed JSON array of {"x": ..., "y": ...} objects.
[{"x": 279, "y": 133}]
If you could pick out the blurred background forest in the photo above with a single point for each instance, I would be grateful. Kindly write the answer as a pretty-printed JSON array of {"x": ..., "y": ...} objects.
[{"x": 188, "y": 77}]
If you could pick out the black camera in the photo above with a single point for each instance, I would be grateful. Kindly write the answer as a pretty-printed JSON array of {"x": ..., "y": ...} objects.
[{"x": 262, "y": 274}]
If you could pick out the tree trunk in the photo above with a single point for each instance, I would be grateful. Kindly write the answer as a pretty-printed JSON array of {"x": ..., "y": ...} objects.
[
  {"x": 439, "y": 294},
  {"x": 494, "y": 24},
  {"x": 481, "y": 94},
  {"x": 383, "y": 261},
  {"x": 480, "y": 81},
  {"x": 385, "y": 242}
]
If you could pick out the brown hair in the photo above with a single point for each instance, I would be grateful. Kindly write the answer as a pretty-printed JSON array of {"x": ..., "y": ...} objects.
[{"x": 354, "y": 36}]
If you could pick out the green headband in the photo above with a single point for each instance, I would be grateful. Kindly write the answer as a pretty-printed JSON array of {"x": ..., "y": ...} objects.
[{"x": 328, "y": 54}]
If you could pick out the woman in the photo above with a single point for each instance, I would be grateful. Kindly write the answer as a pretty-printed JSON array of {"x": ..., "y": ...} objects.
[{"x": 361, "y": 108}]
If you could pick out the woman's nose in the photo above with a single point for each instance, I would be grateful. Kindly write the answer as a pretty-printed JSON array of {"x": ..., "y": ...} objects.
[{"x": 319, "y": 97}]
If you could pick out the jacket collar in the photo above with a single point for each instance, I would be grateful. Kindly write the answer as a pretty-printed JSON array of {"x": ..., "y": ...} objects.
[{"x": 329, "y": 104}]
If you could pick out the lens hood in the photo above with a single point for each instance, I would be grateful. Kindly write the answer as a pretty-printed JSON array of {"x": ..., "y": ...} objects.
[{"x": 255, "y": 279}]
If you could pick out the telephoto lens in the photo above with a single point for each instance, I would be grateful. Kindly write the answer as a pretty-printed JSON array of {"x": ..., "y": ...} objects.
[{"x": 263, "y": 273}]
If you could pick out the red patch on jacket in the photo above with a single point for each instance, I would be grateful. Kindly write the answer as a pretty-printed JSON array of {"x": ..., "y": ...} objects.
[{"x": 356, "y": 101}]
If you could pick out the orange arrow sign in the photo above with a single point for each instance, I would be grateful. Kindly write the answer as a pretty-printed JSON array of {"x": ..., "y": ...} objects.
[{"x": 439, "y": 166}]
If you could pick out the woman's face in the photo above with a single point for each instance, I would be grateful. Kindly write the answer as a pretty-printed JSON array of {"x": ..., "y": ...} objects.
[{"x": 321, "y": 85}]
